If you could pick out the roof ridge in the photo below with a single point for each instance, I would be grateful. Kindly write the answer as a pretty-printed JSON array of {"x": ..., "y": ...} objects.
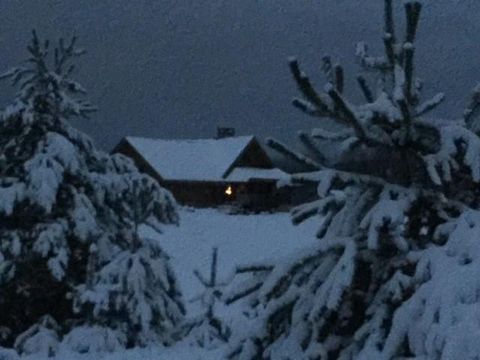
[{"x": 196, "y": 139}]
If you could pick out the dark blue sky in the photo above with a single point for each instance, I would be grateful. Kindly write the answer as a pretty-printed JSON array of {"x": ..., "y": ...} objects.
[{"x": 179, "y": 68}]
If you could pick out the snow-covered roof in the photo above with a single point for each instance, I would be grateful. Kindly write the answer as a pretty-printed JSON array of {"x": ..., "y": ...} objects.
[
  {"x": 244, "y": 174},
  {"x": 194, "y": 160}
]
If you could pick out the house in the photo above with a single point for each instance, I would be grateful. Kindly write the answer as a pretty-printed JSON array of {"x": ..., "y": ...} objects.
[{"x": 211, "y": 172}]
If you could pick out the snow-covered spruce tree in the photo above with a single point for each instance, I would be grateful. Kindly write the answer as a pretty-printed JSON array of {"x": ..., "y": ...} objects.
[
  {"x": 396, "y": 271},
  {"x": 60, "y": 198}
]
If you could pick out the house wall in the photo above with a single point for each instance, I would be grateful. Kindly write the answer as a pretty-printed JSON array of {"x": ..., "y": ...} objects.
[
  {"x": 253, "y": 196},
  {"x": 261, "y": 195},
  {"x": 198, "y": 193}
]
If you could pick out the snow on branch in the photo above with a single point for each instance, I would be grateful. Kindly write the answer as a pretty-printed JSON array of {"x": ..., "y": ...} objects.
[
  {"x": 453, "y": 140},
  {"x": 430, "y": 105},
  {"x": 370, "y": 62},
  {"x": 438, "y": 318}
]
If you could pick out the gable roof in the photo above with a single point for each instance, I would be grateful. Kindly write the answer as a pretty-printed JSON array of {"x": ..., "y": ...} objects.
[{"x": 194, "y": 160}]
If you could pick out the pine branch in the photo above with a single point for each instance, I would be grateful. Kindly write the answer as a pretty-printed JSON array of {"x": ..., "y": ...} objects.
[
  {"x": 311, "y": 147},
  {"x": 305, "y": 211},
  {"x": 339, "y": 78},
  {"x": 213, "y": 268},
  {"x": 306, "y": 88},
  {"x": 325, "y": 224},
  {"x": 327, "y": 69},
  {"x": 65, "y": 53},
  {"x": 254, "y": 268},
  {"x": 378, "y": 182},
  {"x": 306, "y": 107},
  {"x": 243, "y": 293},
  {"x": 293, "y": 270},
  {"x": 402, "y": 103},
  {"x": 389, "y": 36},
  {"x": 322, "y": 134},
  {"x": 366, "y": 91},
  {"x": 430, "y": 105},
  {"x": 412, "y": 12},
  {"x": 306, "y": 178},
  {"x": 473, "y": 107},
  {"x": 342, "y": 112},
  {"x": 349, "y": 115},
  {"x": 200, "y": 278},
  {"x": 409, "y": 51},
  {"x": 298, "y": 158}
]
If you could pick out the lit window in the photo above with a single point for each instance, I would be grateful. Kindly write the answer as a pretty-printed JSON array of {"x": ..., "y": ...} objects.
[{"x": 229, "y": 190}]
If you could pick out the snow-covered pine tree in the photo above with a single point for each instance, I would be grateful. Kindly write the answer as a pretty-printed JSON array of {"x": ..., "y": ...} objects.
[
  {"x": 395, "y": 272},
  {"x": 136, "y": 291},
  {"x": 60, "y": 198},
  {"x": 208, "y": 330}
]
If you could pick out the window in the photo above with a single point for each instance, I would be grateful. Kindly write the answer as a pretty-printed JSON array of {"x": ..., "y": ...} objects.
[{"x": 229, "y": 191}]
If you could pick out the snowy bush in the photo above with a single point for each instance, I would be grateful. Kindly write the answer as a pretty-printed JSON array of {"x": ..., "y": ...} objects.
[
  {"x": 40, "y": 339},
  {"x": 394, "y": 274},
  {"x": 60, "y": 198},
  {"x": 93, "y": 339},
  {"x": 135, "y": 293},
  {"x": 8, "y": 354}
]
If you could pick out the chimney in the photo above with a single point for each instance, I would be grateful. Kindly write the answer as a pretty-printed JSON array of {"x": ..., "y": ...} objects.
[{"x": 225, "y": 132}]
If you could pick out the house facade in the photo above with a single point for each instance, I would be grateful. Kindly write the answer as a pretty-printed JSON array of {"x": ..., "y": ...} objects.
[{"x": 211, "y": 172}]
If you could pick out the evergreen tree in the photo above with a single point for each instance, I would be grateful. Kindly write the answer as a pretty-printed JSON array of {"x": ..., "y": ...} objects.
[
  {"x": 395, "y": 272},
  {"x": 208, "y": 330},
  {"x": 62, "y": 200},
  {"x": 136, "y": 290}
]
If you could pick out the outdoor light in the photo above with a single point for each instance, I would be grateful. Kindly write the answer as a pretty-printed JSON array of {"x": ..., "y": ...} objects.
[{"x": 229, "y": 190}]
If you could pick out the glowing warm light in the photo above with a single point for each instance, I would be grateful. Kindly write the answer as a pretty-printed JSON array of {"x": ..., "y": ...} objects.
[{"x": 229, "y": 191}]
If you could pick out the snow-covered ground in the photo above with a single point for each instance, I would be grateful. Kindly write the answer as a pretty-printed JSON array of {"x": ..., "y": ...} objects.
[{"x": 241, "y": 239}]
